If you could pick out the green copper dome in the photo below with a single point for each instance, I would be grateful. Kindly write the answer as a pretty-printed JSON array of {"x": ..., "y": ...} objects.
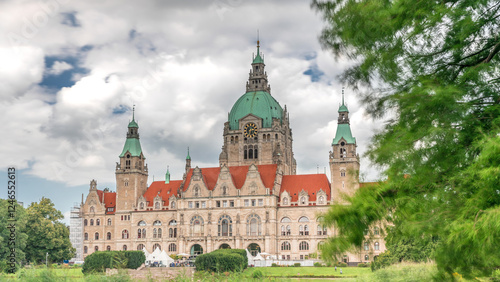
[
  {"x": 133, "y": 124},
  {"x": 343, "y": 131},
  {"x": 343, "y": 108},
  {"x": 258, "y": 103}
]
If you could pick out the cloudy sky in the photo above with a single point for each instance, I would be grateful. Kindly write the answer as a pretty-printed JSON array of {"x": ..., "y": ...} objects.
[{"x": 71, "y": 70}]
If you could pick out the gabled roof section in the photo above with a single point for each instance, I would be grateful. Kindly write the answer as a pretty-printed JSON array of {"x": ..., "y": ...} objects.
[
  {"x": 109, "y": 200},
  {"x": 310, "y": 183},
  {"x": 344, "y": 131},
  {"x": 164, "y": 190},
  {"x": 238, "y": 175}
]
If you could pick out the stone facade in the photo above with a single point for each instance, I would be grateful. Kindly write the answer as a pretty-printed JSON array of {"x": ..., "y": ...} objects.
[{"x": 253, "y": 200}]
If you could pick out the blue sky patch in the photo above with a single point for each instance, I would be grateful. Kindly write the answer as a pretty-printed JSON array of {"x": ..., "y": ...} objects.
[
  {"x": 314, "y": 72},
  {"x": 63, "y": 79}
]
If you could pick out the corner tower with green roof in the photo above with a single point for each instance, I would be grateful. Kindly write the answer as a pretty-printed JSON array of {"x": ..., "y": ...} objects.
[
  {"x": 344, "y": 161},
  {"x": 258, "y": 128},
  {"x": 131, "y": 172}
]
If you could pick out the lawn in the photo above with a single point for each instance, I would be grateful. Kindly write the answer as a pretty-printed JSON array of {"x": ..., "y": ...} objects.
[{"x": 310, "y": 271}]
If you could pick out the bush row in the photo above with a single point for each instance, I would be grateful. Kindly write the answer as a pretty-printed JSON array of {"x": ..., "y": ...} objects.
[
  {"x": 222, "y": 260},
  {"x": 99, "y": 261}
]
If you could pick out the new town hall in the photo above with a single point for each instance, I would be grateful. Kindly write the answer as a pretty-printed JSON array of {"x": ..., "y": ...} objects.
[{"x": 254, "y": 199}]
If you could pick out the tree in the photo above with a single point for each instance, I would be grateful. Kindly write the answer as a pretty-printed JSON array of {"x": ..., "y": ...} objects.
[
  {"x": 431, "y": 67},
  {"x": 20, "y": 229},
  {"x": 46, "y": 234}
]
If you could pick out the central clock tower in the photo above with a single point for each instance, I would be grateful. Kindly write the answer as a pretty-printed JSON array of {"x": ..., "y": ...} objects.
[{"x": 258, "y": 128}]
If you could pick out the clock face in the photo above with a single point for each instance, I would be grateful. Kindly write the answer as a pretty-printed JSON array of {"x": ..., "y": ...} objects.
[{"x": 250, "y": 130}]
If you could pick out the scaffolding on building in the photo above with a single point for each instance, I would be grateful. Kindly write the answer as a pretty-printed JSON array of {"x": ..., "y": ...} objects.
[{"x": 76, "y": 232}]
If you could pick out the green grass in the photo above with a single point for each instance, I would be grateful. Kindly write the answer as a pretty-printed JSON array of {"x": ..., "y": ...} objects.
[{"x": 309, "y": 271}]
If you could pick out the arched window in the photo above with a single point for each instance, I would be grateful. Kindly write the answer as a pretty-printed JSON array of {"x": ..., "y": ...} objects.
[
  {"x": 144, "y": 233},
  {"x": 285, "y": 201},
  {"x": 320, "y": 230},
  {"x": 303, "y": 246},
  {"x": 124, "y": 247},
  {"x": 342, "y": 173},
  {"x": 108, "y": 248},
  {"x": 286, "y": 220},
  {"x": 96, "y": 248},
  {"x": 376, "y": 231},
  {"x": 172, "y": 247},
  {"x": 377, "y": 246},
  {"x": 325, "y": 232},
  {"x": 92, "y": 209},
  {"x": 159, "y": 232},
  {"x": 306, "y": 230},
  {"x": 141, "y": 223},
  {"x": 254, "y": 226},
  {"x": 303, "y": 219},
  {"x": 197, "y": 226},
  {"x": 285, "y": 246},
  {"x": 301, "y": 230},
  {"x": 125, "y": 234},
  {"x": 157, "y": 205},
  {"x": 156, "y": 246},
  {"x": 140, "y": 247},
  {"x": 196, "y": 191},
  {"x": 85, "y": 249},
  {"x": 141, "y": 206},
  {"x": 172, "y": 205},
  {"x": 288, "y": 230},
  {"x": 172, "y": 231},
  {"x": 155, "y": 233},
  {"x": 283, "y": 232},
  {"x": 109, "y": 221},
  {"x": 225, "y": 226},
  {"x": 139, "y": 233},
  {"x": 321, "y": 200},
  {"x": 157, "y": 223},
  {"x": 85, "y": 222},
  {"x": 86, "y": 236},
  {"x": 367, "y": 258},
  {"x": 245, "y": 152},
  {"x": 91, "y": 222},
  {"x": 108, "y": 236},
  {"x": 366, "y": 246},
  {"x": 224, "y": 190},
  {"x": 97, "y": 222},
  {"x": 96, "y": 236}
]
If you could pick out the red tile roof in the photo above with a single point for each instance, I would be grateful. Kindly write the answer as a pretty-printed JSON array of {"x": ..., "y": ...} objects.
[
  {"x": 238, "y": 175},
  {"x": 165, "y": 190},
  {"x": 311, "y": 183},
  {"x": 109, "y": 199}
]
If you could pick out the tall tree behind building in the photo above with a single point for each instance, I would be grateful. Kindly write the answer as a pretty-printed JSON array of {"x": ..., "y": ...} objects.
[
  {"x": 431, "y": 68},
  {"x": 46, "y": 234}
]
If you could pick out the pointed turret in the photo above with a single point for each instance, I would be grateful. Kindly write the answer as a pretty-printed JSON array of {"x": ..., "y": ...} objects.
[
  {"x": 167, "y": 176},
  {"x": 343, "y": 127},
  {"x": 132, "y": 144},
  {"x": 188, "y": 162},
  {"x": 257, "y": 80}
]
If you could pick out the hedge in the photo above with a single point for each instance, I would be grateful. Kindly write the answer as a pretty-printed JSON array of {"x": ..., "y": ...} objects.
[
  {"x": 222, "y": 260},
  {"x": 99, "y": 261}
]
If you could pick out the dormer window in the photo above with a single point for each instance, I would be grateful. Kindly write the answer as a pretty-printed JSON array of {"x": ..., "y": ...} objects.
[
  {"x": 141, "y": 206},
  {"x": 157, "y": 205},
  {"x": 303, "y": 200},
  {"x": 285, "y": 201}
]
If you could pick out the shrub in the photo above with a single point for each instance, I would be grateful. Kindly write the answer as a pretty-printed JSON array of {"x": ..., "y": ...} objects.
[
  {"x": 297, "y": 264},
  {"x": 274, "y": 265},
  {"x": 318, "y": 264},
  {"x": 135, "y": 258},
  {"x": 363, "y": 264},
  {"x": 329, "y": 264},
  {"x": 342, "y": 264},
  {"x": 99, "y": 261},
  {"x": 222, "y": 260},
  {"x": 257, "y": 274}
]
